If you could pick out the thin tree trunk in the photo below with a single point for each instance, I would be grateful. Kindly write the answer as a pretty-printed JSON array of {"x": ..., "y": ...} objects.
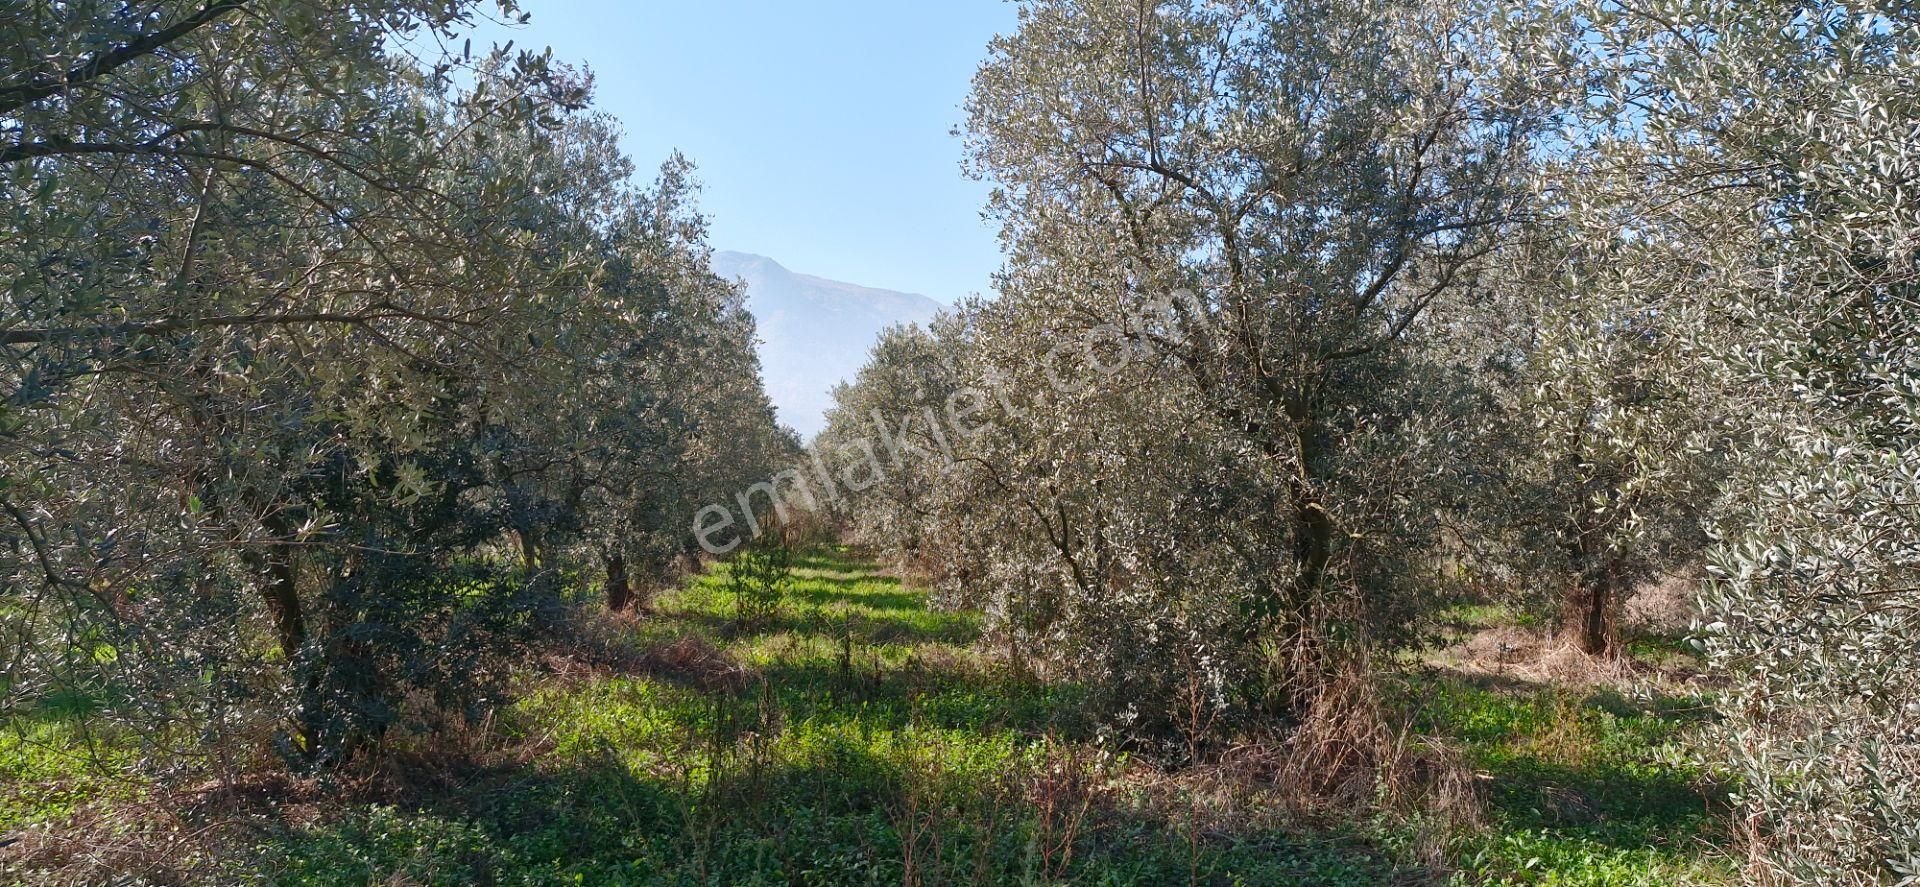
[
  {"x": 282, "y": 593},
  {"x": 1299, "y": 598},
  {"x": 1312, "y": 549},
  {"x": 529, "y": 551},
  {"x": 1592, "y": 614},
  {"x": 1313, "y": 527},
  {"x": 619, "y": 590},
  {"x": 1591, "y": 600},
  {"x": 280, "y": 590},
  {"x": 280, "y": 586}
]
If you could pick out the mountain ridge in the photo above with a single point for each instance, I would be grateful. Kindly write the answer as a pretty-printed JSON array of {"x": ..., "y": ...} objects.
[{"x": 815, "y": 332}]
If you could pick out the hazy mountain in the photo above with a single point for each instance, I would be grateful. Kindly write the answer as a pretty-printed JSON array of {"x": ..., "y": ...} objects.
[{"x": 814, "y": 332}]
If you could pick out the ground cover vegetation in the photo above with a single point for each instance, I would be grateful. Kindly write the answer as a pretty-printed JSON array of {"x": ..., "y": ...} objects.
[{"x": 1411, "y": 441}]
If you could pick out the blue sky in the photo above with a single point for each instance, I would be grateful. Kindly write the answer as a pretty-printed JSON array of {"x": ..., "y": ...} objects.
[{"x": 822, "y": 130}]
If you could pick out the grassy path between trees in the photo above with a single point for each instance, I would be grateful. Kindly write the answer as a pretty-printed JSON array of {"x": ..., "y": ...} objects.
[
  {"x": 858, "y": 737},
  {"x": 853, "y": 738}
]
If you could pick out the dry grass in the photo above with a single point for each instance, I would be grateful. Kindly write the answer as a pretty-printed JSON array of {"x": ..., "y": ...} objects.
[
  {"x": 1667, "y": 606},
  {"x": 1548, "y": 660},
  {"x": 601, "y": 644},
  {"x": 1351, "y": 753},
  {"x": 694, "y": 661},
  {"x": 165, "y": 836},
  {"x": 1350, "y": 757},
  {"x": 169, "y": 832},
  {"x": 595, "y": 644}
]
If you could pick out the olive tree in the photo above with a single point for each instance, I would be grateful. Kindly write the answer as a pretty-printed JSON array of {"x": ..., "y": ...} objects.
[
  {"x": 1756, "y": 161},
  {"x": 300, "y": 339},
  {"x": 1261, "y": 204},
  {"x": 1610, "y": 451}
]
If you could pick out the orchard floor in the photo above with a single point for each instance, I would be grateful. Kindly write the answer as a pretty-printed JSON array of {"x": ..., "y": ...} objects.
[{"x": 858, "y": 737}]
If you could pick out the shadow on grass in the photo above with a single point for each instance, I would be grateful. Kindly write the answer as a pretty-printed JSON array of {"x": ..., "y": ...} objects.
[
  {"x": 1665, "y": 708},
  {"x": 59, "y": 706},
  {"x": 903, "y": 601},
  {"x": 830, "y": 597},
  {"x": 1586, "y": 765},
  {"x": 909, "y": 628},
  {"x": 894, "y": 698},
  {"x": 514, "y": 824},
  {"x": 838, "y": 811},
  {"x": 1620, "y": 806}
]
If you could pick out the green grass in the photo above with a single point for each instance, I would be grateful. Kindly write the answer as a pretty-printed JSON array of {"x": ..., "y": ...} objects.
[
  {"x": 54, "y": 759},
  {"x": 1485, "y": 615},
  {"x": 858, "y": 737},
  {"x": 866, "y": 739},
  {"x": 1584, "y": 788}
]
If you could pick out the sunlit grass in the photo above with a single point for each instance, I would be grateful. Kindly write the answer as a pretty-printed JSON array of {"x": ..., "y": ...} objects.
[
  {"x": 56, "y": 756},
  {"x": 856, "y": 736},
  {"x": 1585, "y": 788},
  {"x": 867, "y": 738}
]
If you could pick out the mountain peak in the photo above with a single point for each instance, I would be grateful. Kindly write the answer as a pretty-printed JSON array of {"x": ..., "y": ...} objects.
[
  {"x": 814, "y": 332},
  {"x": 740, "y": 262}
]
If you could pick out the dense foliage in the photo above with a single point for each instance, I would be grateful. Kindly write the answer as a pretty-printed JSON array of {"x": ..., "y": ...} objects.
[
  {"x": 1201, "y": 389},
  {"x": 342, "y": 372},
  {"x": 1756, "y": 172},
  {"x": 1317, "y": 314},
  {"x": 324, "y": 372}
]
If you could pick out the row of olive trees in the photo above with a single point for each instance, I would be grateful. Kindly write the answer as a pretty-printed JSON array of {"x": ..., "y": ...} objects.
[
  {"x": 1751, "y": 179},
  {"x": 326, "y": 369},
  {"x": 1317, "y": 311},
  {"x": 1224, "y": 421}
]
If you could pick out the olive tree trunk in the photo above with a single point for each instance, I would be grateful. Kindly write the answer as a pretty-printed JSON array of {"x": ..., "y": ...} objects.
[{"x": 619, "y": 588}]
